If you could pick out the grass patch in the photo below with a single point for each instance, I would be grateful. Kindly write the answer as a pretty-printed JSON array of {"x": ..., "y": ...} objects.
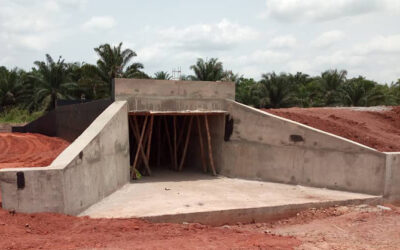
[{"x": 18, "y": 115}]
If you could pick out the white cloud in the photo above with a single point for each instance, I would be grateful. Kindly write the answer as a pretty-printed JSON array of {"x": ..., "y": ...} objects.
[
  {"x": 340, "y": 59},
  {"x": 99, "y": 23},
  {"x": 218, "y": 36},
  {"x": 295, "y": 10},
  {"x": 34, "y": 24},
  {"x": 328, "y": 38},
  {"x": 380, "y": 44},
  {"x": 287, "y": 41},
  {"x": 264, "y": 56}
]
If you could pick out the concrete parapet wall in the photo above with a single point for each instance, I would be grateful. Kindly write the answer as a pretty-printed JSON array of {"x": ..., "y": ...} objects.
[
  {"x": 173, "y": 89},
  {"x": 270, "y": 148},
  {"x": 93, "y": 166}
]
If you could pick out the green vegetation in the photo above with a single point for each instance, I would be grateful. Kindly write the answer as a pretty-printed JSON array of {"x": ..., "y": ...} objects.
[
  {"x": 24, "y": 95},
  {"x": 18, "y": 115}
]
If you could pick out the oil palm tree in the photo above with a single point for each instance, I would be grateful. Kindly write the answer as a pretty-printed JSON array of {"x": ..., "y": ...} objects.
[
  {"x": 209, "y": 70},
  {"x": 162, "y": 75},
  {"x": 135, "y": 70},
  {"x": 53, "y": 81},
  {"x": 361, "y": 92},
  {"x": 90, "y": 83},
  {"x": 112, "y": 61},
  {"x": 13, "y": 88},
  {"x": 277, "y": 90},
  {"x": 331, "y": 82}
]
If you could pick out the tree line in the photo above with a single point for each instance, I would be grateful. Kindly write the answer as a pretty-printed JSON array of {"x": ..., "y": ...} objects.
[{"x": 52, "y": 80}]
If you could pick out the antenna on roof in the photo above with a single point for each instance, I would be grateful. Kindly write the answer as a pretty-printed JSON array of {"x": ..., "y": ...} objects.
[{"x": 176, "y": 73}]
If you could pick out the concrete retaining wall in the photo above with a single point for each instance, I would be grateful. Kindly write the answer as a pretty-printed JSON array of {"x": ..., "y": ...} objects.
[
  {"x": 271, "y": 148},
  {"x": 66, "y": 122},
  {"x": 92, "y": 167}
]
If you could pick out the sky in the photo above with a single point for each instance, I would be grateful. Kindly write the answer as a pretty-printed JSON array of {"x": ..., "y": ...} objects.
[{"x": 249, "y": 37}]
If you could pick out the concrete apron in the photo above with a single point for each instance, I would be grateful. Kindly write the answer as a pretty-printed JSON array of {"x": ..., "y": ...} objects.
[{"x": 195, "y": 197}]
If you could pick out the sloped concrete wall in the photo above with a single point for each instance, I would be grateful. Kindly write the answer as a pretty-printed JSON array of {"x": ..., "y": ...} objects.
[
  {"x": 271, "y": 148},
  {"x": 92, "y": 167}
]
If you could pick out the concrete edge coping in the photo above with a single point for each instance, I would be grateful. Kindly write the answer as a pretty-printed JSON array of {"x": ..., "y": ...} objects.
[
  {"x": 80, "y": 143},
  {"x": 179, "y": 82},
  {"x": 307, "y": 127}
]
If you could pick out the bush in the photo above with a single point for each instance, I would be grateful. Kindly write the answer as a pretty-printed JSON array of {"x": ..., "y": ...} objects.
[{"x": 19, "y": 115}]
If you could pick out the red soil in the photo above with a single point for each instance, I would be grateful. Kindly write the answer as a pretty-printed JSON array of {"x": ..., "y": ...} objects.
[
  {"x": 29, "y": 150},
  {"x": 374, "y": 128},
  {"x": 351, "y": 227},
  {"x": 52, "y": 231}
]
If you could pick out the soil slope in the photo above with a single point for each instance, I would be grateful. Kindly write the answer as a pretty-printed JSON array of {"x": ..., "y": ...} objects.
[
  {"x": 352, "y": 227},
  {"x": 29, "y": 150},
  {"x": 52, "y": 231},
  {"x": 377, "y": 128}
]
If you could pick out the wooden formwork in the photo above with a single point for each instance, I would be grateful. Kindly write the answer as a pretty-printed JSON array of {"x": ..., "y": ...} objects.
[{"x": 175, "y": 135}]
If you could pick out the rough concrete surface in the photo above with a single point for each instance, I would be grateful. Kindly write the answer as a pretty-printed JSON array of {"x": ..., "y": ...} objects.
[
  {"x": 261, "y": 147},
  {"x": 174, "y": 89},
  {"x": 194, "y": 197},
  {"x": 93, "y": 166}
]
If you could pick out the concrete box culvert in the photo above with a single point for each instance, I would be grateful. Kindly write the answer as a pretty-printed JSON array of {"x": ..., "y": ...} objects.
[{"x": 261, "y": 146}]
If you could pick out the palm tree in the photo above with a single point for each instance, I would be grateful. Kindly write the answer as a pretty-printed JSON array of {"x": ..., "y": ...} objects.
[
  {"x": 247, "y": 92},
  {"x": 53, "y": 81},
  {"x": 135, "y": 71},
  {"x": 209, "y": 70},
  {"x": 90, "y": 83},
  {"x": 331, "y": 81},
  {"x": 361, "y": 92},
  {"x": 277, "y": 90},
  {"x": 162, "y": 75},
  {"x": 394, "y": 92},
  {"x": 229, "y": 76},
  {"x": 112, "y": 61},
  {"x": 11, "y": 87}
]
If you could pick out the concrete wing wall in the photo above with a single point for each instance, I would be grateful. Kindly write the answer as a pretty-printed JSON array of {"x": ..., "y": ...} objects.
[
  {"x": 270, "y": 148},
  {"x": 93, "y": 166},
  {"x": 176, "y": 89}
]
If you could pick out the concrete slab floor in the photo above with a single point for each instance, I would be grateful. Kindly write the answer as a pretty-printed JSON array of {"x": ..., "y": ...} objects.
[{"x": 195, "y": 197}]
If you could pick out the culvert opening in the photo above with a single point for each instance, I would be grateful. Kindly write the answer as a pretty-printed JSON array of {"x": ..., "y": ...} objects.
[{"x": 177, "y": 141}]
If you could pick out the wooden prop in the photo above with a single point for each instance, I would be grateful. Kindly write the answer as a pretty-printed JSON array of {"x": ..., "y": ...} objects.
[
  {"x": 140, "y": 139},
  {"x": 203, "y": 156},
  {"x": 210, "y": 155},
  {"x": 186, "y": 144},
  {"x": 139, "y": 148}
]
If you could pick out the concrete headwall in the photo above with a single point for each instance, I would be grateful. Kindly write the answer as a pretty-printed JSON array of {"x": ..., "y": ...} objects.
[
  {"x": 271, "y": 148},
  {"x": 174, "y": 89},
  {"x": 164, "y": 95},
  {"x": 92, "y": 167}
]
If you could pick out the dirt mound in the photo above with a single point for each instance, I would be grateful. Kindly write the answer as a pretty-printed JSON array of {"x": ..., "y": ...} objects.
[
  {"x": 376, "y": 128},
  {"x": 29, "y": 150},
  {"x": 52, "y": 231}
]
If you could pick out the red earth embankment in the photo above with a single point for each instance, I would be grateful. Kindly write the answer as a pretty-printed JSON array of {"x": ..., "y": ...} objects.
[
  {"x": 54, "y": 231},
  {"x": 375, "y": 127},
  {"x": 29, "y": 150}
]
